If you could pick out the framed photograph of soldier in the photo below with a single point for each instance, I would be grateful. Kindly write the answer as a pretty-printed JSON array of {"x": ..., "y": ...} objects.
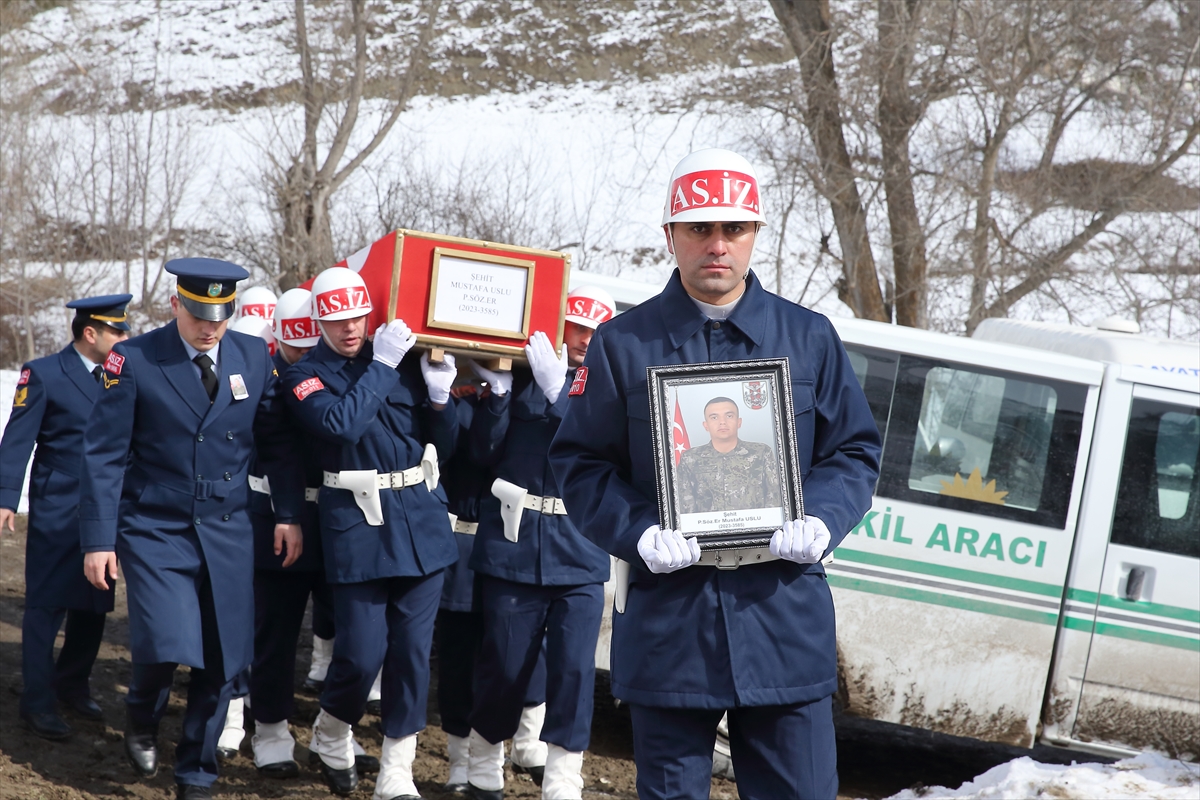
[
  {"x": 724, "y": 450},
  {"x": 465, "y": 296}
]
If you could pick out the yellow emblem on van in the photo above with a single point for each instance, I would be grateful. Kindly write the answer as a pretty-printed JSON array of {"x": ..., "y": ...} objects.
[
  {"x": 973, "y": 489},
  {"x": 19, "y": 397}
]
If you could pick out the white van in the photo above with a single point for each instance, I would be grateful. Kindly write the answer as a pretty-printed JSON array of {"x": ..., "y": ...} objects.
[{"x": 1030, "y": 567}]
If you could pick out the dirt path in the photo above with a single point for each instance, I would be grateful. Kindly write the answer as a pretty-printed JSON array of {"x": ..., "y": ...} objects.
[{"x": 874, "y": 760}]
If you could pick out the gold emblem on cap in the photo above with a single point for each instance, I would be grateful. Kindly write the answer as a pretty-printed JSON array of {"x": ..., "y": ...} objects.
[{"x": 214, "y": 290}]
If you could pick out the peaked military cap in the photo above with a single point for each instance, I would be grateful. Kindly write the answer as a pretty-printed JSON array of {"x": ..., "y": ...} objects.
[
  {"x": 207, "y": 287},
  {"x": 107, "y": 308}
]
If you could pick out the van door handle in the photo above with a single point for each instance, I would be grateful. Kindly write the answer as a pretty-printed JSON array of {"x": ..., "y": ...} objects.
[{"x": 1134, "y": 583}]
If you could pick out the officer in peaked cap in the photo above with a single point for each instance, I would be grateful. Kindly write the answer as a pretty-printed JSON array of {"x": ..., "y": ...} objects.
[
  {"x": 184, "y": 406},
  {"x": 51, "y": 407}
]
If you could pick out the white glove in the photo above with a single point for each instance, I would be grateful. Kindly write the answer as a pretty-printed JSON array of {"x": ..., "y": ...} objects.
[
  {"x": 392, "y": 341},
  {"x": 801, "y": 540},
  {"x": 439, "y": 377},
  {"x": 667, "y": 551},
  {"x": 500, "y": 381},
  {"x": 549, "y": 370}
]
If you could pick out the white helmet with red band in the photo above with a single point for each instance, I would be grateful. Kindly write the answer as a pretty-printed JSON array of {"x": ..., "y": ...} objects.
[
  {"x": 339, "y": 293},
  {"x": 294, "y": 323},
  {"x": 256, "y": 326},
  {"x": 589, "y": 306},
  {"x": 713, "y": 185},
  {"x": 257, "y": 301}
]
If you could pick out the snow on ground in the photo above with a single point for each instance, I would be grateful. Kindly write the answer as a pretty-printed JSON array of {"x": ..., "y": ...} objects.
[{"x": 1143, "y": 776}]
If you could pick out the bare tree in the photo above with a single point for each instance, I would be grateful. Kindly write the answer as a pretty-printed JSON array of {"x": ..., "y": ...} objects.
[
  {"x": 806, "y": 24},
  {"x": 305, "y": 179}
]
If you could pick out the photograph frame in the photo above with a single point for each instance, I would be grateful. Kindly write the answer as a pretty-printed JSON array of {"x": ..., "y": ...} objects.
[{"x": 669, "y": 385}]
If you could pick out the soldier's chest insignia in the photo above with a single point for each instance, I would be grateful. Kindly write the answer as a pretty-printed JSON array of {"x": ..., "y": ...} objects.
[
  {"x": 580, "y": 382},
  {"x": 19, "y": 397},
  {"x": 114, "y": 362},
  {"x": 306, "y": 387},
  {"x": 24, "y": 379},
  {"x": 109, "y": 382}
]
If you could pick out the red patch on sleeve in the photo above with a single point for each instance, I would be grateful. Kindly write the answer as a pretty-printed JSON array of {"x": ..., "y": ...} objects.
[
  {"x": 114, "y": 362},
  {"x": 306, "y": 387},
  {"x": 24, "y": 379},
  {"x": 580, "y": 382}
]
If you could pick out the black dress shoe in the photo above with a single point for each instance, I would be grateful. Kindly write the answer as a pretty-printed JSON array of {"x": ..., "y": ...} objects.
[
  {"x": 312, "y": 687},
  {"x": 455, "y": 788},
  {"x": 279, "y": 770},
  {"x": 475, "y": 793},
  {"x": 48, "y": 726},
  {"x": 186, "y": 791},
  {"x": 226, "y": 753},
  {"x": 537, "y": 773},
  {"x": 141, "y": 749},
  {"x": 85, "y": 707},
  {"x": 341, "y": 781},
  {"x": 375, "y": 707},
  {"x": 366, "y": 765}
]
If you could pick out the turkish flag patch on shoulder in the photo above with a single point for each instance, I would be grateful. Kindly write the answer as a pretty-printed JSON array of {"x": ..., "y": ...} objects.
[
  {"x": 114, "y": 362},
  {"x": 580, "y": 382},
  {"x": 306, "y": 387},
  {"x": 24, "y": 379}
]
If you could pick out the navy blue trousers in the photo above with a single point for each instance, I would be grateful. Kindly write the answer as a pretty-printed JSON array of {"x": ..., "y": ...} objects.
[
  {"x": 208, "y": 698},
  {"x": 518, "y": 619},
  {"x": 779, "y": 752},
  {"x": 384, "y": 623},
  {"x": 67, "y": 678},
  {"x": 459, "y": 634},
  {"x": 280, "y": 598}
]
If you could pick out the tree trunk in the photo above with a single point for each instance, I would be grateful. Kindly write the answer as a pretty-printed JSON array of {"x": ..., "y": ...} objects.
[
  {"x": 806, "y": 25},
  {"x": 898, "y": 114}
]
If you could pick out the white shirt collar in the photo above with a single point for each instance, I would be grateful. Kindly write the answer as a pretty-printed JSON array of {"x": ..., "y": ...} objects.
[
  {"x": 88, "y": 364},
  {"x": 214, "y": 353},
  {"x": 717, "y": 312}
]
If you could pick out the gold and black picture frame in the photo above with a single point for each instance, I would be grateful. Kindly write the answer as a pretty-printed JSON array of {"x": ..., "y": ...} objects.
[{"x": 724, "y": 449}]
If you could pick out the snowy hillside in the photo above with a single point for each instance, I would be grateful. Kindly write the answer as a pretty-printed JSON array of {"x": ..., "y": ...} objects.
[{"x": 558, "y": 130}]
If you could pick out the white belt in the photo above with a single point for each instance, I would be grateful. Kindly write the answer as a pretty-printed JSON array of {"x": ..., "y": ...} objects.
[
  {"x": 734, "y": 558},
  {"x": 545, "y": 505},
  {"x": 386, "y": 480},
  {"x": 263, "y": 486},
  {"x": 514, "y": 500},
  {"x": 364, "y": 484},
  {"x": 462, "y": 526}
]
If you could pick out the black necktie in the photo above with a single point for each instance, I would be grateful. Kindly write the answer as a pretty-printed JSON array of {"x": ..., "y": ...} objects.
[
  {"x": 207, "y": 376},
  {"x": 97, "y": 372}
]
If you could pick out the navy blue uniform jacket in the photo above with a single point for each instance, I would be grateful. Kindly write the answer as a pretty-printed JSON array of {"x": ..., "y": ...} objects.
[
  {"x": 51, "y": 408},
  {"x": 467, "y": 483},
  {"x": 370, "y": 416},
  {"x": 512, "y": 435},
  {"x": 305, "y": 472},
  {"x": 701, "y": 637},
  {"x": 180, "y": 509}
]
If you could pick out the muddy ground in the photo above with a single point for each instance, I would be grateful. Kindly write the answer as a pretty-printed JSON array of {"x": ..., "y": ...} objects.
[{"x": 874, "y": 761}]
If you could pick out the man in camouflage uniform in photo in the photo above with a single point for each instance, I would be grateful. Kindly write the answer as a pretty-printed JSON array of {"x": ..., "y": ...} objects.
[{"x": 727, "y": 474}]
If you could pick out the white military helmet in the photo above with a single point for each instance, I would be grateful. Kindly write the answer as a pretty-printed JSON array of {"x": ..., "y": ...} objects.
[
  {"x": 713, "y": 185},
  {"x": 257, "y": 301},
  {"x": 339, "y": 293},
  {"x": 256, "y": 326},
  {"x": 589, "y": 306},
  {"x": 294, "y": 323}
]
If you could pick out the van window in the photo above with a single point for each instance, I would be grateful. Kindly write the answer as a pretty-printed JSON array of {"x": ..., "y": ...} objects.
[
  {"x": 982, "y": 440},
  {"x": 876, "y": 373},
  {"x": 1156, "y": 503}
]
